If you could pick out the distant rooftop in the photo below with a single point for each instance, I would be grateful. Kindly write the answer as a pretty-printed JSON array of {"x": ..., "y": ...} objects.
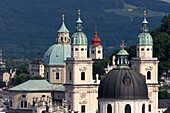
[{"x": 37, "y": 85}]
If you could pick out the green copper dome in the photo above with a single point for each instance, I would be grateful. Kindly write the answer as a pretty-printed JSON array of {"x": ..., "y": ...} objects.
[
  {"x": 123, "y": 52},
  {"x": 57, "y": 54},
  {"x": 79, "y": 38},
  {"x": 144, "y": 38}
]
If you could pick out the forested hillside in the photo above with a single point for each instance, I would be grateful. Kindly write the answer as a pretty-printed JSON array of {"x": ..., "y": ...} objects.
[{"x": 29, "y": 27}]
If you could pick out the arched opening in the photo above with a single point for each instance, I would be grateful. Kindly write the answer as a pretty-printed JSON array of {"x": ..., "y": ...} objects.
[
  {"x": 143, "y": 108},
  {"x": 70, "y": 75},
  {"x": 149, "y": 75},
  {"x": 127, "y": 109},
  {"x": 43, "y": 112},
  {"x": 109, "y": 108},
  {"x": 82, "y": 75},
  {"x": 61, "y": 39}
]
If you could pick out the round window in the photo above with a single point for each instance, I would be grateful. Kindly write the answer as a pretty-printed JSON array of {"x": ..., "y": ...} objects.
[
  {"x": 142, "y": 49},
  {"x": 76, "y": 49},
  {"x": 82, "y": 49}
]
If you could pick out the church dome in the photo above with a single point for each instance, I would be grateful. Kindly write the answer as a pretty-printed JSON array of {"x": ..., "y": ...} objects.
[
  {"x": 56, "y": 54},
  {"x": 145, "y": 39},
  {"x": 95, "y": 40},
  {"x": 79, "y": 38},
  {"x": 123, "y": 82}
]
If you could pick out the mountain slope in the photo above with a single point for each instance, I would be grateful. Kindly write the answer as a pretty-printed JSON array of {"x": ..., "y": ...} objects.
[{"x": 29, "y": 27}]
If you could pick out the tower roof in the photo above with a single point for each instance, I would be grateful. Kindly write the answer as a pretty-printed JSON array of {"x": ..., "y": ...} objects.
[
  {"x": 95, "y": 40},
  {"x": 122, "y": 52},
  {"x": 63, "y": 28},
  {"x": 79, "y": 38},
  {"x": 144, "y": 38}
]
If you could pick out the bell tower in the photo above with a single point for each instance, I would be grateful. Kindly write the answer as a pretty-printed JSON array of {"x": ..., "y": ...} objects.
[
  {"x": 96, "y": 49},
  {"x": 147, "y": 65},
  {"x": 81, "y": 90}
]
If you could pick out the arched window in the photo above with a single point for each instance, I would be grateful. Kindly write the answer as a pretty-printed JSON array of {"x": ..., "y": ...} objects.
[
  {"x": 23, "y": 102},
  {"x": 127, "y": 109},
  {"x": 148, "y": 75},
  {"x": 82, "y": 75},
  {"x": 70, "y": 76},
  {"x": 149, "y": 107},
  {"x": 143, "y": 108},
  {"x": 109, "y": 108},
  {"x": 61, "y": 39}
]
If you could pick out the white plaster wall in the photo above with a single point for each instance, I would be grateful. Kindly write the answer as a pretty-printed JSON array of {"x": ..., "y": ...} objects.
[
  {"x": 118, "y": 106},
  {"x": 79, "y": 53},
  {"x": 16, "y": 97},
  {"x": 96, "y": 55},
  {"x": 52, "y": 70},
  {"x": 83, "y": 95}
]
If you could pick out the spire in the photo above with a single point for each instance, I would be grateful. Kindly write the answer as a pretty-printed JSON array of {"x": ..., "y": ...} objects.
[
  {"x": 79, "y": 23},
  {"x": 63, "y": 27},
  {"x": 122, "y": 45},
  {"x": 145, "y": 23}
]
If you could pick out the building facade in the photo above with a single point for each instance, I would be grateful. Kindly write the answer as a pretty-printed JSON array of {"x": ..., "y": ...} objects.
[
  {"x": 147, "y": 65},
  {"x": 80, "y": 86}
]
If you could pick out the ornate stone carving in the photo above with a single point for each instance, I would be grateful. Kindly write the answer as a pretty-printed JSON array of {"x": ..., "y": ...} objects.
[
  {"x": 83, "y": 95},
  {"x": 83, "y": 102},
  {"x": 148, "y": 68},
  {"x": 83, "y": 69}
]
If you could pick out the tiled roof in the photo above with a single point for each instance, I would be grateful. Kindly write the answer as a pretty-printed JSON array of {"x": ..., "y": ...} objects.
[{"x": 37, "y": 85}]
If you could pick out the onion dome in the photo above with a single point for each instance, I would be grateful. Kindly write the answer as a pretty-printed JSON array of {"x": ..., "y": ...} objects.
[
  {"x": 79, "y": 38},
  {"x": 57, "y": 54},
  {"x": 63, "y": 28},
  {"x": 144, "y": 38},
  {"x": 95, "y": 39},
  {"x": 123, "y": 82}
]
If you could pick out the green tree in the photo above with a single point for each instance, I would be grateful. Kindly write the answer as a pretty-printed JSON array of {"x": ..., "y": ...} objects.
[
  {"x": 36, "y": 77},
  {"x": 20, "y": 79},
  {"x": 99, "y": 66}
]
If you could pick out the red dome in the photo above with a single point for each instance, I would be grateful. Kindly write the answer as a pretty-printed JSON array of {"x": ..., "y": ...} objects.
[{"x": 95, "y": 40}]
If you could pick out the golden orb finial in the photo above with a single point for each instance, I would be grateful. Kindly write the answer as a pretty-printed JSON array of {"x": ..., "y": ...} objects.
[
  {"x": 63, "y": 17},
  {"x": 79, "y": 12},
  {"x": 144, "y": 13}
]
